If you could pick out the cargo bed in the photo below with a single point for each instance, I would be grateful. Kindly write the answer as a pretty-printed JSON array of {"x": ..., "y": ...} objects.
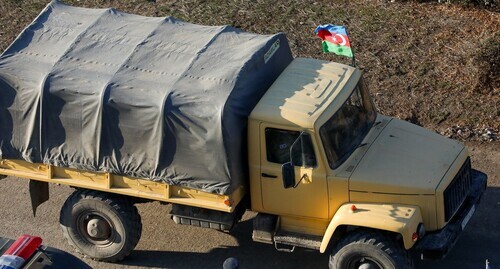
[{"x": 129, "y": 186}]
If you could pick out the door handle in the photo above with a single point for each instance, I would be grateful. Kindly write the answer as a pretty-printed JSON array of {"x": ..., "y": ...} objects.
[{"x": 269, "y": 175}]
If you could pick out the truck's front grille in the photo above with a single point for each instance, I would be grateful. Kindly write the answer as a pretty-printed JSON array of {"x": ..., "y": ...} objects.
[{"x": 456, "y": 192}]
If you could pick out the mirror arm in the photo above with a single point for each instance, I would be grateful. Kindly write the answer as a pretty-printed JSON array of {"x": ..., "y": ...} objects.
[
  {"x": 293, "y": 145},
  {"x": 288, "y": 169},
  {"x": 302, "y": 178}
]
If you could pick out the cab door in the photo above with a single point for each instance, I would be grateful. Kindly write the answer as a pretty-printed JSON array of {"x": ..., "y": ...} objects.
[{"x": 310, "y": 197}]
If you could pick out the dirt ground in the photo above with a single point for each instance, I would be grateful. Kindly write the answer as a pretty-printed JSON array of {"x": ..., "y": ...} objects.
[{"x": 167, "y": 245}]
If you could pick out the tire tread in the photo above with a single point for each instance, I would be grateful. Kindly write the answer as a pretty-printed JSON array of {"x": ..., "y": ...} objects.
[{"x": 387, "y": 244}]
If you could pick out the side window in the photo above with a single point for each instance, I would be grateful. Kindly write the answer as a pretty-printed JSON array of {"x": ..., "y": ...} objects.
[{"x": 278, "y": 143}]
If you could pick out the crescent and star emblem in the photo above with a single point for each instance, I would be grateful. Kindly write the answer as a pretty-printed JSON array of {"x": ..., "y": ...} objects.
[{"x": 339, "y": 38}]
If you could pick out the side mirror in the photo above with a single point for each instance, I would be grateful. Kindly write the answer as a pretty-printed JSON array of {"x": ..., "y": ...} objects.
[{"x": 288, "y": 172}]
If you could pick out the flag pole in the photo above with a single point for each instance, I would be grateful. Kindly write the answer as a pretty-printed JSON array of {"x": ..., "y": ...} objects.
[{"x": 353, "y": 64}]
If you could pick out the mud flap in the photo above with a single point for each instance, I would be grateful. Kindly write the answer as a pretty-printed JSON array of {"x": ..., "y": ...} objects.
[{"x": 39, "y": 193}]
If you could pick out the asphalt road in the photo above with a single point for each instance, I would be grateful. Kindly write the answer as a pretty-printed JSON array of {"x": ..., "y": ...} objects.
[{"x": 167, "y": 245}]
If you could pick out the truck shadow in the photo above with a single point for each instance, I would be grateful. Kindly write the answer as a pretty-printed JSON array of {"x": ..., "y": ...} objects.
[
  {"x": 479, "y": 242},
  {"x": 249, "y": 254}
]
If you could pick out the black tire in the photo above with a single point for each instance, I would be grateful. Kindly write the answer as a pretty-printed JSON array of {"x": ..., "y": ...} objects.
[
  {"x": 371, "y": 249},
  {"x": 118, "y": 220}
]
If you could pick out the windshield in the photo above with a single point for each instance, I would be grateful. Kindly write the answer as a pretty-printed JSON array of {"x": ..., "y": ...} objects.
[{"x": 345, "y": 130}]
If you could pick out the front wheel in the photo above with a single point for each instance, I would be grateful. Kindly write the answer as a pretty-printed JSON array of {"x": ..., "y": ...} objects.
[
  {"x": 365, "y": 249},
  {"x": 102, "y": 226}
]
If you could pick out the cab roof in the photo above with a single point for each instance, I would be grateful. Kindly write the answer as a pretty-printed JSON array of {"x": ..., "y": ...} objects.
[{"x": 303, "y": 91}]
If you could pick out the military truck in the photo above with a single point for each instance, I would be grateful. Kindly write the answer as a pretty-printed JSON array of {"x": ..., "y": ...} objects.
[{"x": 215, "y": 121}]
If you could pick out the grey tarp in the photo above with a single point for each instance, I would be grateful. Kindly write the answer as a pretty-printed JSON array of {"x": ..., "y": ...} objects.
[{"x": 154, "y": 98}]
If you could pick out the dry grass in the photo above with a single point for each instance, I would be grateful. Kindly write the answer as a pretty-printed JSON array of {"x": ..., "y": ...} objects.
[{"x": 433, "y": 64}]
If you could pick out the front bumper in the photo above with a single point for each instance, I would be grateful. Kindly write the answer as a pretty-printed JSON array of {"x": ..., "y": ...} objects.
[{"x": 436, "y": 245}]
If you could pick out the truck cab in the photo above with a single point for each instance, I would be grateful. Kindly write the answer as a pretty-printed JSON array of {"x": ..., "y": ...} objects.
[{"x": 327, "y": 169}]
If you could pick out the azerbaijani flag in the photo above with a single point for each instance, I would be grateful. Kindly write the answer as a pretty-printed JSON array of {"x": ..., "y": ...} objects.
[{"x": 335, "y": 39}]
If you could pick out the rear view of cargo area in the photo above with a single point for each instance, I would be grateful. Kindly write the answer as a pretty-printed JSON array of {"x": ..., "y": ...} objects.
[{"x": 152, "y": 98}]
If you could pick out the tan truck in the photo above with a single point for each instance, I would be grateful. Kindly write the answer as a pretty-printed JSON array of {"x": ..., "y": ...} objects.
[{"x": 325, "y": 171}]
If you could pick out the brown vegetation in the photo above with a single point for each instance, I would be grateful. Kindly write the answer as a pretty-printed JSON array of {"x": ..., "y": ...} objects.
[{"x": 433, "y": 64}]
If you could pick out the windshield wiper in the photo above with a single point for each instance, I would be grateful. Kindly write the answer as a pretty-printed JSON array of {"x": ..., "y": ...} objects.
[
  {"x": 362, "y": 145},
  {"x": 345, "y": 156}
]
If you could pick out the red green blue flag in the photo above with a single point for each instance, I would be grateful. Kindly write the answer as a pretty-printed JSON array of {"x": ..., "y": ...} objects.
[{"x": 335, "y": 39}]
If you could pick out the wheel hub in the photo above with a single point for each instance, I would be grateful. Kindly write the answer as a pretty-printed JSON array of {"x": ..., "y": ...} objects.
[
  {"x": 367, "y": 266},
  {"x": 98, "y": 228},
  {"x": 366, "y": 263}
]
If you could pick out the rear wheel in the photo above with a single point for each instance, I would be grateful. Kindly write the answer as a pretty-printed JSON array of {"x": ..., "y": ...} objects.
[
  {"x": 366, "y": 249},
  {"x": 102, "y": 226}
]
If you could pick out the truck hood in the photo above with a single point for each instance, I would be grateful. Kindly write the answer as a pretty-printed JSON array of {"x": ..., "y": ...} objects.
[{"x": 404, "y": 159}]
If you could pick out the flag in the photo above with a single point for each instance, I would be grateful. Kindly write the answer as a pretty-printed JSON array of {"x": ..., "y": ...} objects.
[{"x": 335, "y": 39}]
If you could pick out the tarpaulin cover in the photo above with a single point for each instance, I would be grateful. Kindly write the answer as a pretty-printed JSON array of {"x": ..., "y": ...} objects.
[{"x": 153, "y": 98}]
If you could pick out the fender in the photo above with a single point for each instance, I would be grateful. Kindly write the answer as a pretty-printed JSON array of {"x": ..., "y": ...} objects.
[{"x": 402, "y": 219}]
